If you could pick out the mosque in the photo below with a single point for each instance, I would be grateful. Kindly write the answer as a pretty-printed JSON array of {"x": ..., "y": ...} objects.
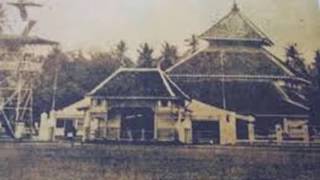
[{"x": 234, "y": 90}]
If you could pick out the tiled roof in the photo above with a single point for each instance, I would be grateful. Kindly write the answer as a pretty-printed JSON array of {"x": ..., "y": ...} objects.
[
  {"x": 13, "y": 40},
  {"x": 294, "y": 95},
  {"x": 138, "y": 84},
  {"x": 245, "y": 97},
  {"x": 235, "y": 26},
  {"x": 231, "y": 61}
]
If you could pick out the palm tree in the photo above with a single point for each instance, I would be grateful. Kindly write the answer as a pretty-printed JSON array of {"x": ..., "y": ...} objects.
[
  {"x": 295, "y": 62},
  {"x": 145, "y": 58},
  {"x": 193, "y": 43},
  {"x": 121, "y": 48},
  {"x": 120, "y": 54},
  {"x": 169, "y": 56}
]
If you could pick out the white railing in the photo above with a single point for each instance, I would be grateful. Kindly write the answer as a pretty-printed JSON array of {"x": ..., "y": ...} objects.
[{"x": 165, "y": 134}]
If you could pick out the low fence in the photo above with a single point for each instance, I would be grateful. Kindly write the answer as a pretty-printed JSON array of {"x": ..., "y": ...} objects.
[
  {"x": 202, "y": 137},
  {"x": 118, "y": 134}
]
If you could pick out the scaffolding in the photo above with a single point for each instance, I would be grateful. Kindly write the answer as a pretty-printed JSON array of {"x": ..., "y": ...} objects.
[{"x": 18, "y": 71}]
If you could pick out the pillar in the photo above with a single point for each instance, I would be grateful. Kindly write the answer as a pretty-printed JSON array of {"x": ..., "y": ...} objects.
[
  {"x": 180, "y": 127},
  {"x": 19, "y": 130},
  {"x": 52, "y": 124},
  {"x": 86, "y": 126},
  {"x": 155, "y": 133},
  {"x": 94, "y": 127},
  {"x": 45, "y": 130},
  {"x": 184, "y": 129},
  {"x": 227, "y": 124},
  {"x": 143, "y": 132},
  {"x": 251, "y": 132},
  {"x": 279, "y": 133},
  {"x": 286, "y": 125},
  {"x": 306, "y": 136}
]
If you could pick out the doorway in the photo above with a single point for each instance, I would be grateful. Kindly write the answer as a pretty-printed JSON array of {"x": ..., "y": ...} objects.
[
  {"x": 137, "y": 124},
  {"x": 204, "y": 132}
]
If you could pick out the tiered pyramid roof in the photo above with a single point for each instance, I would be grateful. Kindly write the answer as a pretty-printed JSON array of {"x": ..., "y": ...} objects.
[
  {"x": 237, "y": 73},
  {"x": 235, "y": 26}
]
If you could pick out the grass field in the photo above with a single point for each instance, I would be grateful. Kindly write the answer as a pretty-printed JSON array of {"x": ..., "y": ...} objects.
[{"x": 97, "y": 162}]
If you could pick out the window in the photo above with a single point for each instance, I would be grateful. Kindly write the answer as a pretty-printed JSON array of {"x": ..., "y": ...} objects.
[
  {"x": 228, "y": 119},
  {"x": 98, "y": 102},
  {"x": 60, "y": 123},
  {"x": 80, "y": 122},
  {"x": 164, "y": 103}
]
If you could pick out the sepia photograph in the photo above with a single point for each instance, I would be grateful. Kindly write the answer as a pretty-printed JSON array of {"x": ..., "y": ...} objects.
[{"x": 159, "y": 90}]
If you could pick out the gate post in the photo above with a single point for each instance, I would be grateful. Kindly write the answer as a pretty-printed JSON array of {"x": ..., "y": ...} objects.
[
  {"x": 227, "y": 124},
  {"x": 306, "y": 135},
  {"x": 251, "y": 132},
  {"x": 143, "y": 135},
  {"x": 279, "y": 133}
]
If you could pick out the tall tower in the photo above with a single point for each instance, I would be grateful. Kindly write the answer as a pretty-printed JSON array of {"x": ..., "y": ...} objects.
[{"x": 19, "y": 66}]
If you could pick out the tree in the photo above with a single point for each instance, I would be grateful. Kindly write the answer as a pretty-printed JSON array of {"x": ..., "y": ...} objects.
[
  {"x": 120, "y": 54},
  {"x": 193, "y": 43},
  {"x": 317, "y": 67},
  {"x": 169, "y": 56},
  {"x": 101, "y": 65},
  {"x": 44, "y": 86},
  {"x": 75, "y": 76},
  {"x": 2, "y": 18},
  {"x": 295, "y": 62},
  {"x": 145, "y": 58},
  {"x": 121, "y": 48},
  {"x": 314, "y": 91}
]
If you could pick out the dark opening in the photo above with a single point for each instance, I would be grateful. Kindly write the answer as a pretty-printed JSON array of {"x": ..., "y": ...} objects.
[
  {"x": 164, "y": 103},
  {"x": 266, "y": 126},
  {"x": 60, "y": 123},
  {"x": 205, "y": 132},
  {"x": 137, "y": 123},
  {"x": 242, "y": 130},
  {"x": 69, "y": 127}
]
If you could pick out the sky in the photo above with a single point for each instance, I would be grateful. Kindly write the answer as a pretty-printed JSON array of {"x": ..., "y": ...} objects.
[{"x": 100, "y": 24}]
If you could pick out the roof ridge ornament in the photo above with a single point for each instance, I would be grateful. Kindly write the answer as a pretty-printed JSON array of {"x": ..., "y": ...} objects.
[{"x": 235, "y": 7}]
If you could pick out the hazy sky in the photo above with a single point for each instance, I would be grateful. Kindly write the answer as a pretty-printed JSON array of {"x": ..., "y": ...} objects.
[{"x": 102, "y": 23}]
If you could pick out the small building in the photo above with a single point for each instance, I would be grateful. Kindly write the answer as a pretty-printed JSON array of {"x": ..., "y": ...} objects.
[
  {"x": 134, "y": 104},
  {"x": 57, "y": 125},
  {"x": 205, "y": 123},
  {"x": 145, "y": 105},
  {"x": 68, "y": 118}
]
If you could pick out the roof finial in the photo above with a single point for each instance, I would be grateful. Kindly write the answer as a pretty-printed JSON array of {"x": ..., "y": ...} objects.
[{"x": 235, "y": 6}]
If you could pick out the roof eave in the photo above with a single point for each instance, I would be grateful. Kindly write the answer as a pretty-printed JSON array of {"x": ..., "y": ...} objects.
[
  {"x": 264, "y": 41},
  {"x": 135, "y": 97}
]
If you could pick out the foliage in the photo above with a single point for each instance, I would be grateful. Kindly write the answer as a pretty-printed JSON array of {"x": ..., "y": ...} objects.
[
  {"x": 169, "y": 56},
  {"x": 120, "y": 54},
  {"x": 193, "y": 43},
  {"x": 317, "y": 68},
  {"x": 145, "y": 58},
  {"x": 295, "y": 62},
  {"x": 314, "y": 90},
  {"x": 76, "y": 75}
]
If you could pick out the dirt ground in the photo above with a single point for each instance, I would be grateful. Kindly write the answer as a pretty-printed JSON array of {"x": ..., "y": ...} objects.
[{"x": 25, "y": 161}]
